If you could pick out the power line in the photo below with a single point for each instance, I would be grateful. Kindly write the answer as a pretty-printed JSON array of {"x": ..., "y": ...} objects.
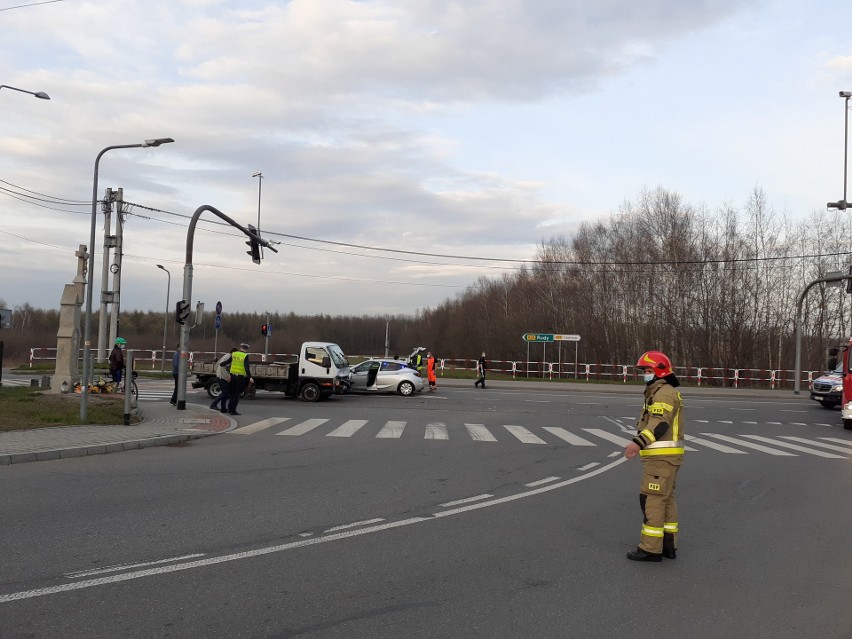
[{"x": 31, "y": 4}]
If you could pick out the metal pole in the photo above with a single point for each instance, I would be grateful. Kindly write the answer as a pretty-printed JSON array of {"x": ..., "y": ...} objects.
[
  {"x": 797, "y": 382},
  {"x": 845, "y": 143},
  {"x": 183, "y": 366},
  {"x": 259, "y": 177},
  {"x": 166, "y": 316},
  {"x": 87, "y": 330}
]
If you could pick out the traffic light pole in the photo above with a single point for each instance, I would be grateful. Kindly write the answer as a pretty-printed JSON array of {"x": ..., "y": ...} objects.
[{"x": 255, "y": 239}]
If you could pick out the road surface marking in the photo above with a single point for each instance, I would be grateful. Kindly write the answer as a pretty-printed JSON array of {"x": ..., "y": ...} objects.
[
  {"x": 354, "y": 524},
  {"x": 391, "y": 430},
  {"x": 466, "y": 500},
  {"x": 740, "y": 442},
  {"x": 801, "y": 449},
  {"x": 304, "y": 427},
  {"x": 839, "y": 449},
  {"x": 541, "y": 482},
  {"x": 436, "y": 430},
  {"x": 568, "y": 436},
  {"x": 845, "y": 442},
  {"x": 592, "y": 465},
  {"x": 479, "y": 433},
  {"x": 347, "y": 429},
  {"x": 258, "y": 426},
  {"x": 106, "y": 569},
  {"x": 615, "y": 439},
  {"x": 312, "y": 541},
  {"x": 714, "y": 445},
  {"x": 523, "y": 435}
]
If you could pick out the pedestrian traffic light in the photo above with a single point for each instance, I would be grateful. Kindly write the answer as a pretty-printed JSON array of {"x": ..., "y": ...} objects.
[
  {"x": 264, "y": 329},
  {"x": 254, "y": 246},
  {"x": 182, "y": 311}
]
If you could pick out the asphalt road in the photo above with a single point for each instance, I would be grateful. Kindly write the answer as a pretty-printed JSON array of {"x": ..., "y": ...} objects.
[{"x": 463, "y": 513}]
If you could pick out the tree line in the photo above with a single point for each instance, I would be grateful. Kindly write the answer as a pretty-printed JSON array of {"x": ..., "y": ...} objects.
[{"x": 710, "y": 287}]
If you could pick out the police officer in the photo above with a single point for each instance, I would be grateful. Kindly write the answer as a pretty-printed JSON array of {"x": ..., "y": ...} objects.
[
  {"x": 238, "y": 366},
  {"x": 659, "y": 442}
]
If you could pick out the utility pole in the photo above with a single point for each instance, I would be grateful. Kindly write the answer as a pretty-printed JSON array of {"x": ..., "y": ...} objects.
[
  {"x": 116, "y": 265},
  {"x": 106, "y": 296}
]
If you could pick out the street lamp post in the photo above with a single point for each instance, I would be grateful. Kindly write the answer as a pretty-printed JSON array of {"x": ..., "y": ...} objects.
[
  {"x": 842, "y": 204},
  {"x": 41, "y": 95},
  {"x": 166, "y": 317},
  {"x": 87, "y": 330}
]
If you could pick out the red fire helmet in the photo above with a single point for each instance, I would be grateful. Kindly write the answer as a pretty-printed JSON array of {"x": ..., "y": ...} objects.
[{"x": 657, "y": 361}]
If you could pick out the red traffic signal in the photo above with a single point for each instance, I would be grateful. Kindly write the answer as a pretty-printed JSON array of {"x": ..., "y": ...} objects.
[{"x": 264, "y": 329}]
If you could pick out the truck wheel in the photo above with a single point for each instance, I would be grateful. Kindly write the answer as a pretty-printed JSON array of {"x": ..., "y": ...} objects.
[
  {"x": 310, "y": 392},
  {"x": 847, "y": 424},
  {"x": 213, "y": 389},
  {"x": 405, "y": 388}
]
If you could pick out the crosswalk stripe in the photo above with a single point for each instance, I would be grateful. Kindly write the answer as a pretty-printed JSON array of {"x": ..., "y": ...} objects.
[
  {"x": 479, "y": 433},
  {"x": 615, "y": 439},
  {"x": 845, "y": 442},
  {"x": 304, "y": 427},
  {"x": 720, "y": 447},
  {"x": 740, "y": 442},
  {"x": 436, "y": 430},
  {"x": 391, "y": 430},
  {"x": 801, "y": 449},
  {"x": 524, "y": 435},
  {"x": 258, "y": 426},
  {"x": 839, "y": 449},
  {"x": 568, "y": 436},
  {"x": 347, "y": 429}
]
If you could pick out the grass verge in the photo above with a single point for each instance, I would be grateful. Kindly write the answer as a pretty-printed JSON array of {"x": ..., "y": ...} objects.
[{"x": 25, "y": 408}]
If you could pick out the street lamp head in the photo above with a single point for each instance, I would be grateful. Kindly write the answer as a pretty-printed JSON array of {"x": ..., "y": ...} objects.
[
  {"x": 846, "y": 94},
  {"x": 161, "y": 266},
  {"x": 41, "y": 95},
  {"x": 157, "y": 142},
  {"x": 258, "y": 174}
]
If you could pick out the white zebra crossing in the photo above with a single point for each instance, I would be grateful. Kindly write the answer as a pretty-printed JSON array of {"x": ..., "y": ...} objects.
[{"x": 781, "y": 446}]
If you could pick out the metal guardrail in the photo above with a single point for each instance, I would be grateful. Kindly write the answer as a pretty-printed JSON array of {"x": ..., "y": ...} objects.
[{"x": 575, "y": 371}]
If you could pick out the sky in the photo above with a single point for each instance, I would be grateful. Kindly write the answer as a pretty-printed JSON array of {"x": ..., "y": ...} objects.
[{"x": 407, "y": 148}]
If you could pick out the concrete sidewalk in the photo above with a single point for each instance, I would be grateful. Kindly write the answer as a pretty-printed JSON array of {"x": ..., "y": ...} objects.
[{"x": 161, "y": 424}]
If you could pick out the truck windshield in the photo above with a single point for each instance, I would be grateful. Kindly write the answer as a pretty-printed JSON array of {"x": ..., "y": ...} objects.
[{"x": 337, "y": 356}]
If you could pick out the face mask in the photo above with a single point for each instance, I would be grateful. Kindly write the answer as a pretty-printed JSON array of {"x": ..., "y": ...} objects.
[{"x": 648, "y": 377}]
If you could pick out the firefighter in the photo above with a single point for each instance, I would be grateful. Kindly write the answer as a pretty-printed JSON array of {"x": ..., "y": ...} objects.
[{"x": 659, "y": 442}]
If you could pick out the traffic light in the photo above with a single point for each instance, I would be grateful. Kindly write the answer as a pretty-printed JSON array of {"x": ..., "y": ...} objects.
[
  {"x": 254, "y": 246},
  {"x": 182, "y": 311},
  {"x": 264, "y": 329}
]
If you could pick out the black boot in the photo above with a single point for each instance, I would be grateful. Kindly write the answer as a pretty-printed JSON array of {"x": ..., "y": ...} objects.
[
  {"x": 669, "y": 550},
  {"x": 642, "y": 555}
]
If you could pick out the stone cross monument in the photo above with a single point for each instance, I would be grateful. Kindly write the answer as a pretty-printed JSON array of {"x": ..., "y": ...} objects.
[{"x": 68, "y": 336}]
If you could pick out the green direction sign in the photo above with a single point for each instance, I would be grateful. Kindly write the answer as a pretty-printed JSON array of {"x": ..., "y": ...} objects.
[{"x": 538, "y": 337}]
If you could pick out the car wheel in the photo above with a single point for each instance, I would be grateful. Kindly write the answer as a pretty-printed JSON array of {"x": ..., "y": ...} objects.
[
  {"x": 827, "y": 404},
  {"x": 847, "y": 424},
  {"x": 310, "y": 392},
  {"x": 214, "y": 389},
  {"x": 405, "y": 388}
]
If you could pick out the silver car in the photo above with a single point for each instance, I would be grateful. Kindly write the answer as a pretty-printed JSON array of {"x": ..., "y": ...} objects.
[{"x": 386, "y": 376}]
